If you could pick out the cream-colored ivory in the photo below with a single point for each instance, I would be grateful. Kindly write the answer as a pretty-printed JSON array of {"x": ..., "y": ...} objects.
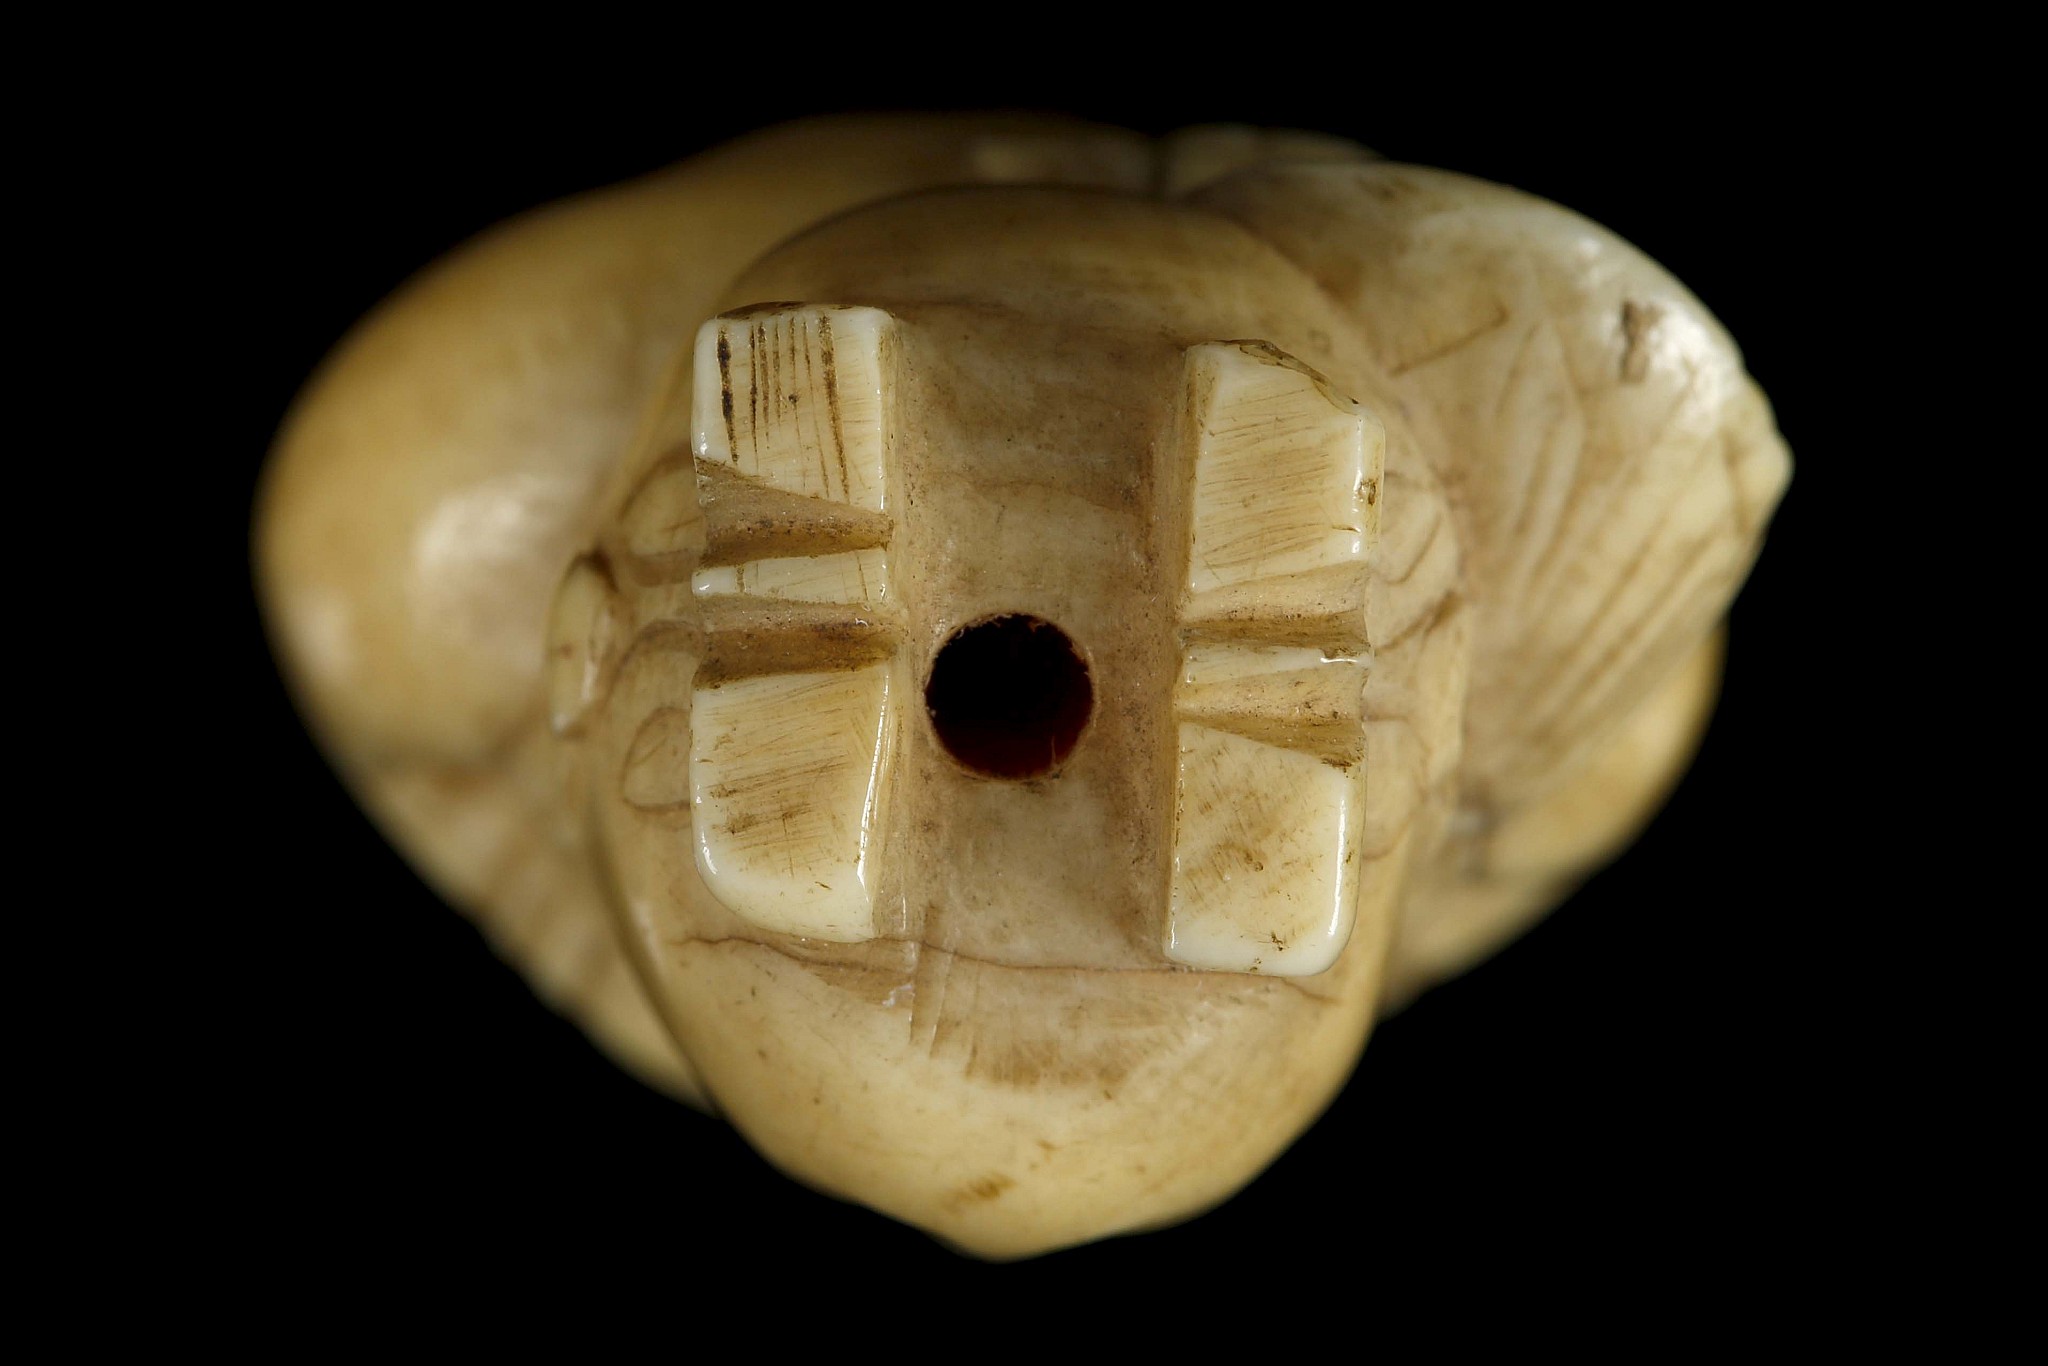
[
  {"x": 787, "y": 773},
  {"x": 1270, "y": 789},
  {"x": 795, "y": 398},
  {"x": 1285, "y": 476},
  {"x": 615, "y": 557},
  {"x": 1265, "y": 856},
  {"x": 790, "y": 768},
  {"x": 853, "y": 576},
  {"x": 579, "y": 643}
]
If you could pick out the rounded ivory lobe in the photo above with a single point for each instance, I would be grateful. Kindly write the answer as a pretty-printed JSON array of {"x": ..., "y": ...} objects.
[
  {"x": 581, "y": 631},
  {"x": 1009, "y": 696},
  {"x": 1193, "y": 157},
  {"x": 662, "y": 525}
]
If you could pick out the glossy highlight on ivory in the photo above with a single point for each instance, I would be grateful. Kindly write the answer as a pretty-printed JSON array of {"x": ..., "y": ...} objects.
[{"x": 988, "y": 650}]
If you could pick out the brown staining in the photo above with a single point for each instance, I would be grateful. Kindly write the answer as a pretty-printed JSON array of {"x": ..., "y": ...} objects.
[
  {"x": 800, "y": 357},
  {"x": 1319, "y": 711},
  {"x": 1243, "y": 835},
  {"x": 799, "y": 423},
  {"x": 1324, "y": 608},
  {"x": 655, "y": 775},
  {"x": 747, "y": 520},
  {"x": 753, "y": 391},
  {"x": 871, "y": 973},
  {"x": 746, "y": 311},
  {"x": 1007, "y": 1052},
  {"x": 980, "y": 1191},
  {"x": 747, "y": 637},
  {"x": 725, "y": 385},
  {"x": 1242, "y": 858},
  {"x": 792, "y": 828},
  {"x": 831, "y": 367},
  {"x": 780, "y": 771},
  {"x": 600, "y": 564},
  {"x": 1638, "y": 325},
  {"x": 1033, "y": 1026}
]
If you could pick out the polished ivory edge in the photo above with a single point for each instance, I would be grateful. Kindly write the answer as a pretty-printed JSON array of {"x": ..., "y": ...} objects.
[{"x": 1270, "y": 799}]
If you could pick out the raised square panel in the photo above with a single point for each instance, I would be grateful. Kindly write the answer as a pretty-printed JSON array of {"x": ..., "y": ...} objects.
[
  {"x": 1265, "y": 856},
  {"x": 796, "y": 398},
  {"x": 1285, "y": 471},
  {"x": 786, "y": 779}
]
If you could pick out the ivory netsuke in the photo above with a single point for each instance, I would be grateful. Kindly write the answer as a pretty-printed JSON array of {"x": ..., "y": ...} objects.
[{"x": 989, "y": 650}]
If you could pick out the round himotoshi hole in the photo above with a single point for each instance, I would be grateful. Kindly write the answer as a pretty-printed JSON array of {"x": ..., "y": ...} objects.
[{"x": 1009, "y": 696}]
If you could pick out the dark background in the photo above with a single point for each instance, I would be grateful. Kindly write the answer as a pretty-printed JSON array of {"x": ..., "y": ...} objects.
[{"x": 1649, "y": 1075}]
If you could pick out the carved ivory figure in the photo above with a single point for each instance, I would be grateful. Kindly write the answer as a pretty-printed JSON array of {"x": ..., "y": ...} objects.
[{"x": 989, "y": 650}]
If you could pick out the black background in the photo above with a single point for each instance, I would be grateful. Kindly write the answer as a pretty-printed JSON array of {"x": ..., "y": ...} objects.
[{"x": 1648, "y": 1076}]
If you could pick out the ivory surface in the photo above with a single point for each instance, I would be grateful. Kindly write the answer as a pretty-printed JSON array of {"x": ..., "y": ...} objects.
[{"x": 1363, "y": 530}]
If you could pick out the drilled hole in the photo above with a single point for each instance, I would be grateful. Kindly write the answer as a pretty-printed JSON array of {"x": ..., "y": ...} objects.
[{"x": 1009, "y": 696}]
